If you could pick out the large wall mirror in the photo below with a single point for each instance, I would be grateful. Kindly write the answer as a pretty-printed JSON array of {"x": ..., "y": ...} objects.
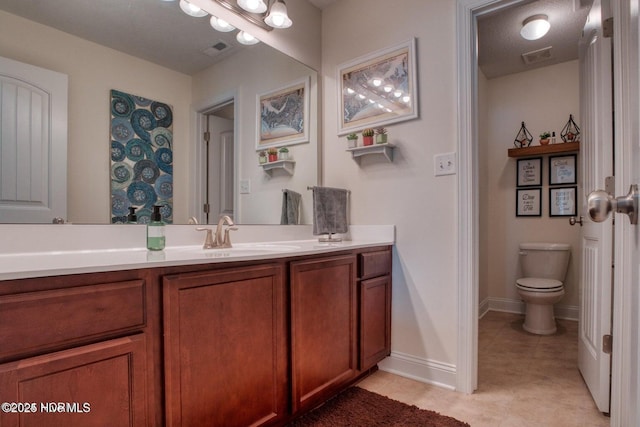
[{"x": 149, "y": 48}]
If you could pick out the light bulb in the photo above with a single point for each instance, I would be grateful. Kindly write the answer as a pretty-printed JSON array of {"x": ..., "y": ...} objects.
[
  {"x": 253, "y": 6},
  {"x": 406, "y": 99},
  {"x": 535, "y": 27},
  {"x": 278, "y": 17},
  {"x": 350, "y": 91},
  {"x": 376, "y": 82},
  {"x": 397, "y": 94},
  {"x": 246, "y": 38},
  {"x": 191, "y": 9},
  {"x": 221, "y": 25},
  {"x": 388, "y": 88}
]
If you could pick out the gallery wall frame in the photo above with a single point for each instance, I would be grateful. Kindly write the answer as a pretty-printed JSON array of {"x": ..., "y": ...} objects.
[
  {"x": 529, "y": 172},
  {"x": 283, "y": 115},
  {"x": 563, "y": 169},
  {"x": 378, "y": 89},
  {"x": 528, "y": 202},
  {"x": 563, "y": 201}
]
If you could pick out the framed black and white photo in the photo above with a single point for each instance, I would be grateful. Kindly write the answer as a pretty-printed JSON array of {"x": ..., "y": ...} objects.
[
  {"x": 529, "y": 202},
  {"x": 378, "y": 89},
  {"x": 530, "y": 172},
  {"x": 563, "y": 201},
  {"x": 562, "y": 169}
]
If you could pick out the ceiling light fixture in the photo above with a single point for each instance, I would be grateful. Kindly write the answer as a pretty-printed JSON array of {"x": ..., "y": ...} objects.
[
  {"x": 245, "y": 38},
  {"x": 278, "y": 17},
  {"x": 192, "y": 10},
  {"x": 221, "y": 25},
  {"x": 253, "y": 6},
  {"x": 535, "y": 27}
]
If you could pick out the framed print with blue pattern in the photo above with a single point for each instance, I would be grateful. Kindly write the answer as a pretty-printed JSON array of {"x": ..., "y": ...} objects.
[{"x": 141, "y": 157}]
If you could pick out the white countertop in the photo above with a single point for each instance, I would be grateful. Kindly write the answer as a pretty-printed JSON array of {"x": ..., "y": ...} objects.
[{"x": 101, "y": 248}]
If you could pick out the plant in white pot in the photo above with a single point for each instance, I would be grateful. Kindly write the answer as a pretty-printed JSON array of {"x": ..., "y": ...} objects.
[
  {"x": 352, "y": 140},
  {"x": 283, "y": 153},
  {"x": 381, "y": 136}
]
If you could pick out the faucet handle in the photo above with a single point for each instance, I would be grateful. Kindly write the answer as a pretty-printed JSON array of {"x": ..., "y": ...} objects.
[
  {"x": 226, "y": 243},
  {"x": 208, "y": 240}
]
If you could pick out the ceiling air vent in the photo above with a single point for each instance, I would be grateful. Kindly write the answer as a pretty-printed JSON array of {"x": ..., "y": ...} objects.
[
  {"x": 536, "y": 56},
  {"x": 216, "y": 49}
]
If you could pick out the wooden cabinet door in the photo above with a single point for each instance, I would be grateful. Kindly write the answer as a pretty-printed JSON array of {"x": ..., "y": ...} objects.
[
  {"x": 323, "y": 327},
  {"x": 225, "y": 347},
  {"x": 97, "y": 385},
  {"x": 375, "y": 320}
]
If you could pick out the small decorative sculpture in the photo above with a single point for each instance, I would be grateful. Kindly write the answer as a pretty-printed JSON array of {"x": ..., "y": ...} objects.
[
  {"x": 570, "y": 131},
  {"x": 523, "y": 138}
]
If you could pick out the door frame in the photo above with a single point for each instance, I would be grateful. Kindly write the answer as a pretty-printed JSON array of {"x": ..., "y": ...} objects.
[
  {"x": 468, "y": 194},
  {"x": 198, "y": 152}
]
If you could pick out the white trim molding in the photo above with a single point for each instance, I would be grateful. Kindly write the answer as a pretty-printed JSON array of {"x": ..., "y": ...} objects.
[
  {"x": 507, "y": 305},
  {"x": 419, "y": 369}
]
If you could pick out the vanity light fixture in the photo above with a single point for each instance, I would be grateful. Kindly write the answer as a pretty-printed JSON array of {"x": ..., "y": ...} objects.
[
  {"x": 535, "y": 27},
  {"x": 278, "y": 17},
  {"x": 192, "y": 10},
  {"x": 253, "y": 6},
  {"x": 245, "y": 38},
  {"x": 221, "y": 25}
]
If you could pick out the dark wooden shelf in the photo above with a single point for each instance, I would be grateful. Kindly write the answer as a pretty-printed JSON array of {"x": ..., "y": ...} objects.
[{"x": 564, "y": 147}]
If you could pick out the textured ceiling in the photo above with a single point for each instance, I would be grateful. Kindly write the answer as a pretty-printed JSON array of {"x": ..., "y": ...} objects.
[
  {"x": 157, "y": 31},
  {"x": 500, "y": 46}
]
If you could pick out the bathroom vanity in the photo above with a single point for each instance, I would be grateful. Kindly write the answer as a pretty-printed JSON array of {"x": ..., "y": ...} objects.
[{"x": 221, "y": 340}]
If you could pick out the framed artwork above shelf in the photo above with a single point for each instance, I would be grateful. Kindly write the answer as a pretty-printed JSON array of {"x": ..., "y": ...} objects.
[{"x": 563, "y": 147}]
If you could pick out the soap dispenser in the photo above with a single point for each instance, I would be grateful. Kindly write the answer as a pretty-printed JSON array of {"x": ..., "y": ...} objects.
[
  {"x": 132, "y": 218},
  {"x": 155, "y": 231}
]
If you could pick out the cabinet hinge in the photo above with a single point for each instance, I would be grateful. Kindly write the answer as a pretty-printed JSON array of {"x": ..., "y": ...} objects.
[
  {"x": 206, "y": 208},
  {"x": 207, "y": 136},
  {"x": 607, "y": 28},
  {"x": 607, "y": 344}
]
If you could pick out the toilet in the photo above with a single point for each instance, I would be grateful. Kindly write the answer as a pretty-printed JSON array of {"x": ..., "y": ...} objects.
[{"x": 544, "y": 266}]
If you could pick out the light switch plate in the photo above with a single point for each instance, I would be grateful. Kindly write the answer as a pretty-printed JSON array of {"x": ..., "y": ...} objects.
[
  {"x": 444, "y": 164},
  {"x": 245, "y": 186}
]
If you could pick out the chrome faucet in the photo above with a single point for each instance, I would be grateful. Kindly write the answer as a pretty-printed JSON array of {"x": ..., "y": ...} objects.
[{"x": 219, "y": 241}]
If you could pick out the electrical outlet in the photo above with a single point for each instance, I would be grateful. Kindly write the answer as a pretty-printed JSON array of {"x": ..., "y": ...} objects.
[
  {"x": 444, "y": 164},
  {"x": 245, "y": 186}
]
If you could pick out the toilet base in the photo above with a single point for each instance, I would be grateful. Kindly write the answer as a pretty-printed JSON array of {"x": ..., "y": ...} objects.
[{"x": 539, "y": 319}]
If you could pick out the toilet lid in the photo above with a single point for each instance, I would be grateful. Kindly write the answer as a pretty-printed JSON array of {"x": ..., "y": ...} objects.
[{"x": 539, "y": 285}]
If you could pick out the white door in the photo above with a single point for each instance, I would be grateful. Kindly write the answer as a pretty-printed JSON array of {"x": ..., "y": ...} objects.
[
  {"x": 33, "y": 143},
  {"x": 597, "y": 163},
  {"x": 625, "y": 409},
  {"x": 221, "y": 167}
]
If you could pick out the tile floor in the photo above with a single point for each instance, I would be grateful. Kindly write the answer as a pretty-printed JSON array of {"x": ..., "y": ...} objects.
[{"x": 524, "y": 380}]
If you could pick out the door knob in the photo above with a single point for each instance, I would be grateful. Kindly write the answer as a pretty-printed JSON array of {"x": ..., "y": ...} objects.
[
  {"x": 600, "y": 203},
  {"x": 573, "y": 220}
]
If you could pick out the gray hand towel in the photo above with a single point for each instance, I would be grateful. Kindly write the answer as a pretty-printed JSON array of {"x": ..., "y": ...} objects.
[
  {"x": 329, "y": 210},
  {"x": 290, "y": 207}
]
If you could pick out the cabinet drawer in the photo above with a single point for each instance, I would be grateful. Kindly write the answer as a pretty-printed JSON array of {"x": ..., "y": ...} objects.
[
  {"x": 374, "y": 264},
  {"x": 35, "y": 321}
]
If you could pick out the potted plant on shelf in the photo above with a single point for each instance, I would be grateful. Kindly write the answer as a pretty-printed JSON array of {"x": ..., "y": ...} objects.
[
  {"x": 283, "y": 153},
  {"x": 262, "y": 157},
  {"x": 367, "y": 136},
  {"x": 381, "y": 136},
  {"x": 544, "y": 138},
  {"x": 273, "y": 154},
  {"x": 352, "y": 140}
]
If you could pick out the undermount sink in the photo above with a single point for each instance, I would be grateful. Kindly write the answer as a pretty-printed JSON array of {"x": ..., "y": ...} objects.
[{"x": 238, "y": 249}]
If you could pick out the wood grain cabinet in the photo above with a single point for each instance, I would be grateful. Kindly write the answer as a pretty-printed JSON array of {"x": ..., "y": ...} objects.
[
  {"x": 374, "y": 307},
  {"x": 225, "y": 347},
  {"x": 323, "y": 328}
]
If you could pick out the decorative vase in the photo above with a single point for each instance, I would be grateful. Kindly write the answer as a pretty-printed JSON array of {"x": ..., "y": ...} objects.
[
  {"x": 352, "y": 143},
  {"x": 544, "y": 141},
  {"x": 367, "y": 140},
  {"x": 381, "y": 139}
]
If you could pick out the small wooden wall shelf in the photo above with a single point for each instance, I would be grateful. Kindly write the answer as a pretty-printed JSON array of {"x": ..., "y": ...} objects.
[
  {"x": 563, "y": 147},
  {"x": 286, "y": 165},
  {"x": 384, "y": 149}
]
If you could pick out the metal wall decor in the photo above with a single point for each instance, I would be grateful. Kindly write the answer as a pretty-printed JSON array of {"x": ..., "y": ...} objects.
[
  {"x": 570, "y": 131},
  {"x": 523, "y": 138}
]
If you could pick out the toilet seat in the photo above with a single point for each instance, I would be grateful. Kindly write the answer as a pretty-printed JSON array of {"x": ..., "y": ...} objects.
[{"x": 534, "y": 284}]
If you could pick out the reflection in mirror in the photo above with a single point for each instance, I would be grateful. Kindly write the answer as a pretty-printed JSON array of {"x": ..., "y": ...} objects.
[{"x": 192, "y": 78}]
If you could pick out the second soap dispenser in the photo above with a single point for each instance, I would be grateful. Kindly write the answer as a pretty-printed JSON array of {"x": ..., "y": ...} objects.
[{"x": 155, "y": 231}]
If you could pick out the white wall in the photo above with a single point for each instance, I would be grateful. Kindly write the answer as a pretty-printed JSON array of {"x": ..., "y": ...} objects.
[
  {"x": 248, "y": 73},
  {"x": 93, "y": 71},
  {"x": 405, "y": 192},
  {"x": 543, "y": 98},
  {"x": 483, "y": 188}
]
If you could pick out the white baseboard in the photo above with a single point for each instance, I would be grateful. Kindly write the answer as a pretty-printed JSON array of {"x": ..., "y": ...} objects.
[
  {"x": 419, "y": 369},
  {"x": 568, "y": 312}
]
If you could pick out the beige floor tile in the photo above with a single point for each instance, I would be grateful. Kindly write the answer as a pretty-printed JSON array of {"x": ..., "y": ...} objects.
[{"x": 524, "y": 380}]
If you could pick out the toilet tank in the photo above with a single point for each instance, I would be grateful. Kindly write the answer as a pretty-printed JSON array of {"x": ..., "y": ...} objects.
[{"x": 545, "y": 260}]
